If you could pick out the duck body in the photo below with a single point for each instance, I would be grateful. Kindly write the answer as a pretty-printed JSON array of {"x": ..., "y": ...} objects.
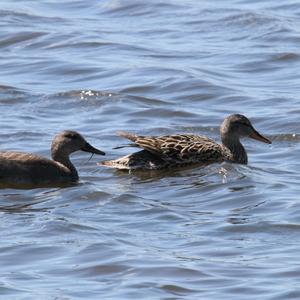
[
  {"x": 21, "y": 169},
  {"x": 27, "y": 170},
  {"x": 187, "y": 149},
  {"x": 170, "y": 151}
]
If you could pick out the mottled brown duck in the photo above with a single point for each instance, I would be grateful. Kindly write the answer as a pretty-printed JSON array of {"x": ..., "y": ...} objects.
[
  {"x": 185, "y": 149},
  {"x": 26, "y": 170}
]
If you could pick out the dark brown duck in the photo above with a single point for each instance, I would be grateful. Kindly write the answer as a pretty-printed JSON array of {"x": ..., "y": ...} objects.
[{"x": 18, "y": 169}]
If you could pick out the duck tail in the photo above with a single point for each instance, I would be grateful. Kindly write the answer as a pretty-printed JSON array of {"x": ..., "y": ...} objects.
[
  {"x": 125, "y": 146},
  {"x": 127, "y": 135}
]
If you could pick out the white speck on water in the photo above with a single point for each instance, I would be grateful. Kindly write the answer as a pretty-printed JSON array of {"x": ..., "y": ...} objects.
[{"x": 223, "y": 173}]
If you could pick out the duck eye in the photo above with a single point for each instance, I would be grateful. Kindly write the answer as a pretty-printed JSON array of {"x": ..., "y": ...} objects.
[
  {"x": 71, "y": 136},
  {"x": 244, "y": 124}
]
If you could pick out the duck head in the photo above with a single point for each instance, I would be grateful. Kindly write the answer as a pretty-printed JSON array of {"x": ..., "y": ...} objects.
[
  {"x": 237, "y": 126},
  {"x": 68, "y": 142}
]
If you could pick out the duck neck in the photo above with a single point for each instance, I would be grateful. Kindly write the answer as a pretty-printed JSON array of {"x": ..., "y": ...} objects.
[
  {"x": 64, "y": 159},
  {"x": 237, "y": 150}
]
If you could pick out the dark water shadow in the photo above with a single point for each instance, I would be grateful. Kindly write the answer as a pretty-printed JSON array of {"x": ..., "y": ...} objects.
[{"x": 31, "y": 186}]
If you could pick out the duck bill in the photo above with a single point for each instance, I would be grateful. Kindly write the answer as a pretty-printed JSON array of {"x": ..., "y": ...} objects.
[
  {"x": 257, "y": 136},
  {"x": 89, "y": 148}
]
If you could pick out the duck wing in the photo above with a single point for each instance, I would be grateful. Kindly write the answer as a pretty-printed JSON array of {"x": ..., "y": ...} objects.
[{"x": 180, "y": 148}]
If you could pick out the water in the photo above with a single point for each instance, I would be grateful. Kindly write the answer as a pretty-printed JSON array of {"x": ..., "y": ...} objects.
[{"x": 152, "y": 67}]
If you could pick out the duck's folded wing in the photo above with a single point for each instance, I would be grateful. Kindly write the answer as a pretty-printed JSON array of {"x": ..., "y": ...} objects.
[
  {"x": 195, "y": 150},
  {"x": 182, "y": 148}
]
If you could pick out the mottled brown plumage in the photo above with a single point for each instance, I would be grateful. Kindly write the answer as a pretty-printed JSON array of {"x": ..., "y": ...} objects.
[{"x": 186, "y": 149}]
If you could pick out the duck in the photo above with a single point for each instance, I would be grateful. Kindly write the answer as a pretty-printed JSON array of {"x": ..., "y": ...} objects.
[
  {"x": 27, "y": 170},
  {"x": 169, "y": 151}
]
